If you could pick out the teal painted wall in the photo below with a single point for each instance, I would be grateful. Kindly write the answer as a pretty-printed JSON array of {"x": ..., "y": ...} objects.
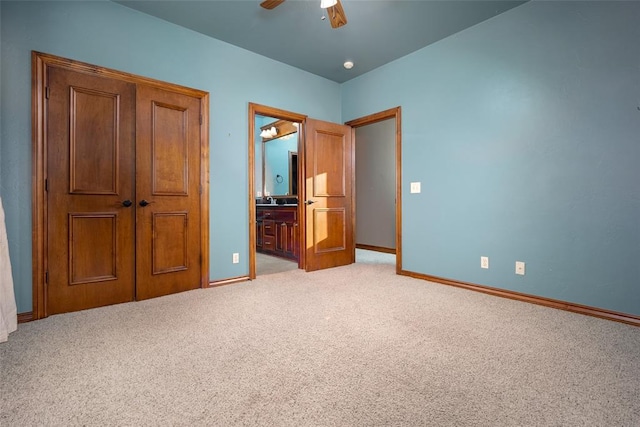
[
  {"x": 525, "y": 133},
  {"x": 114, "y": 36}
]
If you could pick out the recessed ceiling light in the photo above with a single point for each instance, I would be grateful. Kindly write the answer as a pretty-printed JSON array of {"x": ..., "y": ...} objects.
[{"x": 348, "y": 65}]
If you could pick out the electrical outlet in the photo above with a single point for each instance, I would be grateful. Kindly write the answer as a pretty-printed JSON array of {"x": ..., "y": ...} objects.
[
  {"x": 520, "y": 268},
  {"x": 236, "y": 258},
  {"x": 484, "y": 262}
]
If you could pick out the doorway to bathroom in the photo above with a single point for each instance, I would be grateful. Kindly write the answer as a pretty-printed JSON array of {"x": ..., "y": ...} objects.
[{"x": 314, "y": 226}]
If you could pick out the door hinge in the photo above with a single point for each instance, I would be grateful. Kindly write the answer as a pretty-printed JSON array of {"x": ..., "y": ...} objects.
[
  {"x": 47, "y": 93},
  {"x": 46, "y": 277},
  {"x": 46, "y": 185}
]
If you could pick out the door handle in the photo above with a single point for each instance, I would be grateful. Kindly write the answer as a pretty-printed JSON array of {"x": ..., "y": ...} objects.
[
  {"x": 309, "y": 202},
  {"x": 127, "y": 203},
  {"x": 144, "y": 203}
]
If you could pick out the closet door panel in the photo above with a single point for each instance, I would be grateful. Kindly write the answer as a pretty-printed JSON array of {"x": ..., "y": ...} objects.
[
  {"x": 168, "y": 187},
  {"x": 89, "y": 173},
  {"x": 169, "y": 150}
]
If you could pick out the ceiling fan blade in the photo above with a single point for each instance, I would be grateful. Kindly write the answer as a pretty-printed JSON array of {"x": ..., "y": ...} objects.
[
  {"x": 271, "y": 4},
  {"x": 337, "y": 16}
]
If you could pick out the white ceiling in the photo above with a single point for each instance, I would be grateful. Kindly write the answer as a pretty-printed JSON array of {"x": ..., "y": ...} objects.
[{"x": 377, "y": 32}]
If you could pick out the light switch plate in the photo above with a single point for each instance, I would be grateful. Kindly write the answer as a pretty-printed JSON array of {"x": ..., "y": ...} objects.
[
  {"x": 415, "y": 187},
  {"x": 520, "y": 268}
]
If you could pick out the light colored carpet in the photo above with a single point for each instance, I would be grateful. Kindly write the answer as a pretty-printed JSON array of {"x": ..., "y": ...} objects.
[
  {"x": 267, "y": 264},
  {"x": 349, "y": 346},
  {"x": 373, "y": 257}
]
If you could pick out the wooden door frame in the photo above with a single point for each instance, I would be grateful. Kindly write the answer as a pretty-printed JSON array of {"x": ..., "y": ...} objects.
[
  {"x": 40, "y": 62},
  {"x": 396, "y": 114},
  {"x": 277, "y": 113}
]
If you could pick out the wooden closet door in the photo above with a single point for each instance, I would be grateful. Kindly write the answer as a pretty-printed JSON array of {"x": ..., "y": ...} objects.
[
  {"x": 89, "y": 176},
  {"x": 168, "y": 187}
]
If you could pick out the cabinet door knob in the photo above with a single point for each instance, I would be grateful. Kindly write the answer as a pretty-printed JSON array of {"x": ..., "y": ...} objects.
[
  {"x": 309, "y": 202},
  {"x": 127, "y": 203}
]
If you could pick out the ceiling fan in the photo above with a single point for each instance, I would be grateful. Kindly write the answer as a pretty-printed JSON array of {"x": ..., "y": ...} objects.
[{"x": 334, "y": 10}]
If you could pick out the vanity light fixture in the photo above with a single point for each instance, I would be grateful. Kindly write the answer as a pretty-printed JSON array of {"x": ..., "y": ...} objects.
[
  {"x": 269, "y": 133},
  {"x": 324, "y": 4}
]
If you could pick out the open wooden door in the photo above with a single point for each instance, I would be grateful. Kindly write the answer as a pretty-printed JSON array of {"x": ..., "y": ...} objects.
[{"x": 328, "y": 191}]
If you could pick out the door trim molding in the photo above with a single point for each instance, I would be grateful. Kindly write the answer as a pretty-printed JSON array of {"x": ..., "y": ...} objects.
[
  {"x": 396, "y": 114},
  {"x": 40, "y": 62},
  {"x": 277, "y": 113}
]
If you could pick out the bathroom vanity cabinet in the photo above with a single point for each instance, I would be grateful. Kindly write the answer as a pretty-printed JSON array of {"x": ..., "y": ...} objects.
[{"x": 277, "y": 231}]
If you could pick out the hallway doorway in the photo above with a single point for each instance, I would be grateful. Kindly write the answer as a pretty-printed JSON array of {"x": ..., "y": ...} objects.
[{"x": 378, "y": 185}]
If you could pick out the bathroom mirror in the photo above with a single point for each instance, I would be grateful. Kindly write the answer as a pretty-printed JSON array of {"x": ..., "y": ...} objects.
[{"x": 276, "y": 143}]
